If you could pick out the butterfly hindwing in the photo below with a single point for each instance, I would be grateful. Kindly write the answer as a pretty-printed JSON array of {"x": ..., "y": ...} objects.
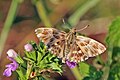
[
  {"x": 89, "y": 46},
  {"x": 83, "y": 48},
  {"x": 76, "y": 54}
]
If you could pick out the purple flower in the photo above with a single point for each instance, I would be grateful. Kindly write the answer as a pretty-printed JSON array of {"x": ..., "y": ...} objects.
[
  {"x": 11, "y": 53},
  {"x": 10, "y": 67},
  {"x": 71, "y": 64},
  {"x": 28, "y": 47}
]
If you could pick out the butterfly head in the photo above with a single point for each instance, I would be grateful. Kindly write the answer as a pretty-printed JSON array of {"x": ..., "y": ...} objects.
[{"x": 73, "y": 31}]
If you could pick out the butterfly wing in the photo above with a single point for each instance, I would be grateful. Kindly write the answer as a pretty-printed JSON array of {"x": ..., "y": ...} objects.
[
  {"x": 80, "y": 49},
  {"x": 58, "y": 48},
  {"x": 49, "y": 35},
  {"x": 53, "y": 38},
  {"x": 89, "y": 46},
  {"x": 76, "y": 54},
  {"x": 83, "y": 48}
]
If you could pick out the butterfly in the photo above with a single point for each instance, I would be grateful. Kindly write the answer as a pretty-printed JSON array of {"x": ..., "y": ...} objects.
[{"x": 69, "y": 46}]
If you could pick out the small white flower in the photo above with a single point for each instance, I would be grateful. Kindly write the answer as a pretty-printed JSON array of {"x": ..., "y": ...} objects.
[
  {"x": 28, "y": 47},
  {"x": 11, "y": 53}
]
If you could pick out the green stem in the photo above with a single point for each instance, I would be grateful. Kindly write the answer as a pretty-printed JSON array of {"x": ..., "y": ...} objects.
[
  {"x": 106, "y": 69},
  {"x": 75, "y": 17},
  {"x": 76, "y": 73},
  {"x": 9, "y": 20},
  {"x": 42, "y": 13},
  {"x": 36, "y": 78},
  {"x": 29, "y": 69},
  {"x": 98, "y": 58}
]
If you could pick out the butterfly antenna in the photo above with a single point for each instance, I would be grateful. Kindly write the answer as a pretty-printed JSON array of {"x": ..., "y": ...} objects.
[
  {"x": 65, "y": 22},
  {"x": 83, "y": 28}
]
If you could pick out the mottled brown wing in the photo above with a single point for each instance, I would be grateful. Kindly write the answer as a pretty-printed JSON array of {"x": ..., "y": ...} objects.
[
  {"x": 58, "y": 48},
  {"x": 89, "y": 46},
  {"x": 53, "y": 38},
  {"x": 76, "y": 55},
  {"x": 49, "y": 35},
  {"x": 84, "y": 48},
  {"x": 79, "y": 50}
]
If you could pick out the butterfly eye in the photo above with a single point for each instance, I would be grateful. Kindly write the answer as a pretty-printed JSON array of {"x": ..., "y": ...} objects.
[
  {"x": 71, "y": 42},
  {"x": 74, "y": 33}
]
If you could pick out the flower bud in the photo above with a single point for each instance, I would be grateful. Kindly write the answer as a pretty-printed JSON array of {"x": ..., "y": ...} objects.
[
  {"x": 11, "y": 53},
  {"x": 28, "y": 47}
]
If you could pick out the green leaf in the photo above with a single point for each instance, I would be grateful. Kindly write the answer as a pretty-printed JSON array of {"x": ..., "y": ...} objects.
[
  {"x": 41, "y": 78},
  {"x": 56, "y": 67},
  {"x": 37, "y": 60},
  {"x": 42, "y": 47},
  {"x": 39, "y": 57},
  {"x": 113, "y": 42},
  {"x": 27, "y": 59},
  {"x": 41, "y": 44},
  {"x": 31, "y": 55},
  {"x": 84, "y": 69},
  {"x": 19, "y": 59},
  {"x": 89, "y": 72},
  {"x": 21, "y": 74},
  {"x": 34, "y": 45},
  {"x": 115, "y": 72},
  {"x": 113, "y": 38},
  {"x": 27, "y": 54}
]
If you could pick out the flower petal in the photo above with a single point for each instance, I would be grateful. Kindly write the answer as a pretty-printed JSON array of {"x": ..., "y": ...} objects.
[
  {"x": 11, "y": 53},
  {"x": 7, "y": 72},
  {"x": 13, "y": 65},
  {"x": 71, "y": 64}
]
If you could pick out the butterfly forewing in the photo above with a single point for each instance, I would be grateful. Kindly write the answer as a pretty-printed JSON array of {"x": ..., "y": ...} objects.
[
  {"x": 68, "y": 46},
  {"x": 49, "y": 35},
  {"x": 53, "y": 38}
]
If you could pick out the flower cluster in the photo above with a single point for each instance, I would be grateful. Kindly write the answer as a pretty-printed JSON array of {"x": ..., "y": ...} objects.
[
  {"x": 37, "y": 61},
  {"x": 12, "y": 55},
  {"x": 10, "y": 67}
]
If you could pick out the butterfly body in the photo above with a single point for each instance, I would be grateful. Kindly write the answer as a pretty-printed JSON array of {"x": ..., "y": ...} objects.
[{"x": 69, "y": 46}]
